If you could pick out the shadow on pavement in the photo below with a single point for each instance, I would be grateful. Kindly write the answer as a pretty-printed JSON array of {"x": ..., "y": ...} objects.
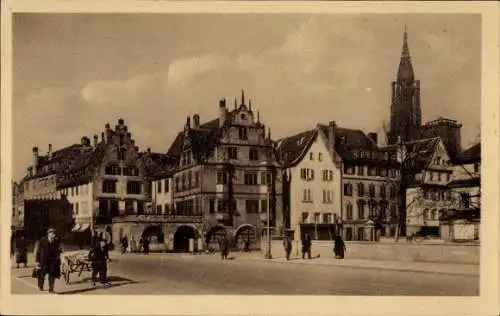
[{"x": 119, "y": 282}]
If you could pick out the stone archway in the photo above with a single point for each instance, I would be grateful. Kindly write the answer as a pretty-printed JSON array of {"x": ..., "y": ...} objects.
[
  {"x": 244, "y": 234},
  {"x": 154, "y": 234},
  {"x": 214, "y": 234},
  {"x": 182, "y": 236}
]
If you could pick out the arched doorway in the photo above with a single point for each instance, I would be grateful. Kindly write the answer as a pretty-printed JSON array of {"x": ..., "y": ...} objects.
[
  {"x": 246, "y": 235},
  {"x": 154, "y": 234},
  {"x": 214, "y": 235},
  {"x": 182, "y": 236}
]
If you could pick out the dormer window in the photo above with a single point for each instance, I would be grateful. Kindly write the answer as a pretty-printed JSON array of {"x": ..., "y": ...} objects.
[{"x": 243, "y": 116}]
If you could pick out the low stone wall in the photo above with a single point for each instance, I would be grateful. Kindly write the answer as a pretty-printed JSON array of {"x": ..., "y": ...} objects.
[{"x": 401, "y": 251}]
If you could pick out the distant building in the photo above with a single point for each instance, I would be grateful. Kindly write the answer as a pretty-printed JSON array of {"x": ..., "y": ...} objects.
[
  {"x": 17, "y": 218},
  {"x": 312, "y": 183},
  {"x": 369, "y": 186},
  {"x": 227, "y": 174},
  {"x": 428, "y": 171},
  {"x": 446, "y": 129},
  {"x": 406, "y": 115},
  {"x": 461, "y": 222},
  {"x": 98, "y": 181}
]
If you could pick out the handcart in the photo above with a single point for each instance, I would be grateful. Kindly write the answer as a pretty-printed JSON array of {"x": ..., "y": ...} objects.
[{"x": 72, "y": 262}]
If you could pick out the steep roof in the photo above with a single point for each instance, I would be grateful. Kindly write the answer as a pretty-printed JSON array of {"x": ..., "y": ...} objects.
[
  {"x": 469, "y": 156},
  {"x": 158, "y": 165},
  {"x": 292, "y": 149},
  {"x": 419, "y": 154}
]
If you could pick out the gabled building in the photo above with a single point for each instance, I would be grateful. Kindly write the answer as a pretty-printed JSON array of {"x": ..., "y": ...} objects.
[
  {"x": 427, "y": 172},
  {"x": 461, "y": 222},
  {"x": 312, "y": 196},
  {"x": 227, "y": 174},
  {"x": 369, "y": 185},
  {"x": 98, "y": 180}
]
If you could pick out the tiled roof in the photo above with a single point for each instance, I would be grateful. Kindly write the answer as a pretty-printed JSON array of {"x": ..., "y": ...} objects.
[
  {"x": 469, "y": 156},
  {"x": 419, "y": 154},
  {"x": 204, "y": 139},
  {"x": 292, "y": 149},
  {"x": 158, "y": 165},
  {"x": 465, "y": 183}
]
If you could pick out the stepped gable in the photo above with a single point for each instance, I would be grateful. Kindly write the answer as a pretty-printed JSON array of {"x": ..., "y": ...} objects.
[{"x": 291, "y": 150}]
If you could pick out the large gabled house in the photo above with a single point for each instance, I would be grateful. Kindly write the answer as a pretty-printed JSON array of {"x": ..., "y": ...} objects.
[
  {"x": 426, "y": 172},
  {"x": 312, "y": 196},
  {"x": 228, "y": 175},
  {"x": 369, "y": 185},
  {"x": 97, "y": 181}
]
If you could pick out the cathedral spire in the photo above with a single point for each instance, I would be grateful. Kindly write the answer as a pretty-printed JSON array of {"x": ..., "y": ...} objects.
[
  {"x": 405, "y": 70},
  {"x": 243, "y": 97}
]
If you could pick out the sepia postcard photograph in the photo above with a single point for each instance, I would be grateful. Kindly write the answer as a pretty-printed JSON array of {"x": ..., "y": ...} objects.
[{"x": 275, "y": 158}]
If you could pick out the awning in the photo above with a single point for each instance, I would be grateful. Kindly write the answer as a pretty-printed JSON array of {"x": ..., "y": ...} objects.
[
  {"x": 84, "y": 227},
  {"x": 76, "y": 228}
]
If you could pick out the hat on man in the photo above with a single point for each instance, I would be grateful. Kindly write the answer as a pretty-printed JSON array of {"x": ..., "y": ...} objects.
[{"x": 51, "y": 230}]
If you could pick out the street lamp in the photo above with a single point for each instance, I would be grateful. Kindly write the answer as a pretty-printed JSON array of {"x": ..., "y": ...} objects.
[{"x": 268, "y": 254}]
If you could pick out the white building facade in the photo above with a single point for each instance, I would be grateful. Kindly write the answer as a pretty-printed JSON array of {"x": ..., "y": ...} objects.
[{"x": 313, "y": 183}]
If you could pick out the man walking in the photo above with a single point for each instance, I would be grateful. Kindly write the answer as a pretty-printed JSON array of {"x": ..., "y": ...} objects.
[
  {"x": 306, "y": 246},
  {"x": 287, "y": 244},
  {"x": 99, "y": 256},
  {"x": 48, "y": 259}
]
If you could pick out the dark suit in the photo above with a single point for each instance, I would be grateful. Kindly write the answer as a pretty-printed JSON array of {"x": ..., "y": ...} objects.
[
  {"x": 48, "y": 257},
  {"x": 99, "y": 256}
]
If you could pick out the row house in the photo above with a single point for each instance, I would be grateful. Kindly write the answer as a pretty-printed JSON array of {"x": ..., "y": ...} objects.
[
  {"x": 461, "y": 221},
  {"x": 369, "y": 185},
  {"x": 228, "y": 175},
  {"x": 311, "y": 184},
  {"x": 426, "y": 173},
  {"x": 94, "y": 181}
]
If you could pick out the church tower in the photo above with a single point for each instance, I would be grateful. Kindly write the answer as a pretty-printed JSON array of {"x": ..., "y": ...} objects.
[{"x": 406, "y": 117}]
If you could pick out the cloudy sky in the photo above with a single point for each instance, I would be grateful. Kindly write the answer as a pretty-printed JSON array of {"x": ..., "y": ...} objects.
[{"x": 74, "y": 73}]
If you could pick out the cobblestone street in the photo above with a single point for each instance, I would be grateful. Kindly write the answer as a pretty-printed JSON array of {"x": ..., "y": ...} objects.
[{"x": 248, "y": 274}]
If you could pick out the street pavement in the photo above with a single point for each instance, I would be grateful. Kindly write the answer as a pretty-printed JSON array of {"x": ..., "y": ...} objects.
[{"x": 250, "y": 274}]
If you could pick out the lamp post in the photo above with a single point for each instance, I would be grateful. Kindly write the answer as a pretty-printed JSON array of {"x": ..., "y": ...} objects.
[{"x": 268, "y": 254}]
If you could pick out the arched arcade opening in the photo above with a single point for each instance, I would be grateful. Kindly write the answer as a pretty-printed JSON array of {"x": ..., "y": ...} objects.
[
  {"x": 154, "y": 234},
  {"x": 214, "y": 235},
  {"x": 246, "y": 237},
  {"x": 182, "y": 236}
]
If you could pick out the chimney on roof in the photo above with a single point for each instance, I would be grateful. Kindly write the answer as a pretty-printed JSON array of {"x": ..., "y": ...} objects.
[
  {"x": 223, "y": 112},
  {"x": 149, "y": 150},
  {"x": 373, "y": 137},
  {"x": 96, "y": 139},
  {"x": 85, "y": 141},
  {"x": 196, "y": 121},
  {"x": 35, "y": 159},
  {"x": 107, "y": 131},
  {"x": 49, "y": 152},
  {"x": 332, "y": 130}
]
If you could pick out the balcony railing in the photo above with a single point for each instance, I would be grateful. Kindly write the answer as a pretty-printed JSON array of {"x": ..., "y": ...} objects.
[{"x": 159, "y": 218}]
